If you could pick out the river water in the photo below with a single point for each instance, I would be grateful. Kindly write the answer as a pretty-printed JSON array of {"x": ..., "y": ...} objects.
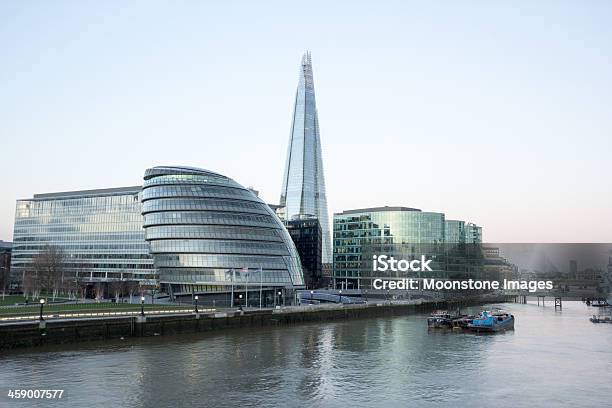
[{"x": 552, "y": 358}]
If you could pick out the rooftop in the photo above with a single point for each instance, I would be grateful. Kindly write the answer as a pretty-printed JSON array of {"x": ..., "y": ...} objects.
[
  {"x": 89, "y": 193},
  {"x": 377, "y": 209},
  {"x": 170, "y": 170}
]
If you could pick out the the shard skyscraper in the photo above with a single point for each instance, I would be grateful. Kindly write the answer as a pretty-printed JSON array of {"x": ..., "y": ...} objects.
[{"x": 303, "y": 192}]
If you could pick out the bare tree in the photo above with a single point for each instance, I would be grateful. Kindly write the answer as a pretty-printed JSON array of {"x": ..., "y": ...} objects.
[
  {"x": 99, "y": 289},
  {"x": 49, "y": 269},
  {"x": 81, "y": 274},
  {"x": 133, "y": 288},
  {"x": 82, "y": 289},
  {"x": 5, "y": 267},
  {"x": 116, "y": 288},
  {"x": 29, "y": 284},
  {"x": 71, "y": 286},
  {"x": 124, "y": 287}
]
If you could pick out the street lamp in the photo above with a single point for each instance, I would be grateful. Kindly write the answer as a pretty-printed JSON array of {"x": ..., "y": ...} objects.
[
  {"x": 240, "y": 297},
  {"x": 311, "y": 293},
  {"x": 365, "y": 291},
  {"x": 142, "y": 299},
  {"x": 279, "y": 297},
  {"x": 340, "y": 296},
  {"x": 42, "y": 303},
  {"x": 195, "y": 298}
]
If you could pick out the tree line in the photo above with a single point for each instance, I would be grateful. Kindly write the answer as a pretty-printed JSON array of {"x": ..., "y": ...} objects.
[{"x": 51, "y": 275}]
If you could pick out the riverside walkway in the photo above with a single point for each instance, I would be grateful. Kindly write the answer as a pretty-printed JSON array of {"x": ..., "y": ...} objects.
[{"x": 69, "y": 329}]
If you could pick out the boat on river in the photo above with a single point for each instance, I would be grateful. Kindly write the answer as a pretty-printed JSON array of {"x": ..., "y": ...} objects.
[
  {"x": 600, "y": 319},
  {"x": 604, "y": 316},
  {"x": 442, "y": 319},
  {"x": 492, "y": 322}
]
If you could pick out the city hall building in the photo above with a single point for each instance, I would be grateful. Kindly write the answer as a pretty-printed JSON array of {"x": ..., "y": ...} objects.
[
  {"x": 208, "y": 234},
  {"x": 404, "y": 233}
]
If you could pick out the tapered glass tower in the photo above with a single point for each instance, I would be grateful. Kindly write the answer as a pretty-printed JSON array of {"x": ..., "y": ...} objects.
[{"x": 303, "y": 192}]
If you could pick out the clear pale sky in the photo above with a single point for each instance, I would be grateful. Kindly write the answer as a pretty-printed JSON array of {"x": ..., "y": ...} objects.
[{"x": 495, "y": 112}]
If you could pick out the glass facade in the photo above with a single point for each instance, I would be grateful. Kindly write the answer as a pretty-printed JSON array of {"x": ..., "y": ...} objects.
[
  {"x": 303, "y": 190},
  {"x": 473, "y": 233},
  {"x": 206, "y": 233},
  {"x": 401, "y": 232},
  {"x": 99, "y": 231},
  {"x": 455, "y": 232},
  {"x": 306, "y": 235}
]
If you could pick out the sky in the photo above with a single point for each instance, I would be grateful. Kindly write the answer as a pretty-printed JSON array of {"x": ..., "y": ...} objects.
[{"x": 498, "y": 113}]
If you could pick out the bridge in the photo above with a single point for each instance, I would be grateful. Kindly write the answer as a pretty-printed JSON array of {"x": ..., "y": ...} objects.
[{"x": 558, "y": 294}]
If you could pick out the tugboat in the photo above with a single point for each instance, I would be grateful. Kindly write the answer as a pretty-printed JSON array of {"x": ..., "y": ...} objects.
[{"x": 492, "y": 322}]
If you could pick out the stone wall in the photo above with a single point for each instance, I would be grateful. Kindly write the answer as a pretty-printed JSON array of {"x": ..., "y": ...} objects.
[{"x": 68, "y": 331}]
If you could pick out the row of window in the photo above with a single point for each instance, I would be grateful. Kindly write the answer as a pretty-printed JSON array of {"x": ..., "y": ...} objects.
[
  {"x": 31, "y": 208},
  {"x": 73, "y": 257},
  {"x": 220, "y": 261},
  {"x": 218, "y": 247},
  {"x": 226, "y": 276},
  {"x": 58, "y": 239},
  {"x": 173, "y": 204},
  {"x": 171, "y": 218},
  {"x": 212, "y": 232},
  {"x": 82, "y": 228},
  {"x": 70, "y": 248},
  {"x": 197, "y": 191},
  {"x": 87, "y": 265},
  {"x": 189, "y": 179},
  {"x": 96, "y": 218}
]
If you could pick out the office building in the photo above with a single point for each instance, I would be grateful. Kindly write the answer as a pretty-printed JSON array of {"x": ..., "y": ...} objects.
[
  {"x": 307, "y": 237},
  {"x": 404, "y": 233},
  {"x": 98, "y": 233},
  {"x": 461, "y": 232},
  {"x": 473, "y": 233}
]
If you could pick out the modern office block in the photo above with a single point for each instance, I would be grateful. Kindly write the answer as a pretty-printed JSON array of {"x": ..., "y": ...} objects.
[
  {"x": 98, "y": 232},
  {"x": 307, "y": 237},
  {"x": 473, "y": 233},
  {"x": 461, "y": 232},
  {"x": 404, "y": 233}
]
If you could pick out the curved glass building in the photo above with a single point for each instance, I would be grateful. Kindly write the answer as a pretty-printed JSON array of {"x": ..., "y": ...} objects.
[{"x": 210, "y": 235}]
